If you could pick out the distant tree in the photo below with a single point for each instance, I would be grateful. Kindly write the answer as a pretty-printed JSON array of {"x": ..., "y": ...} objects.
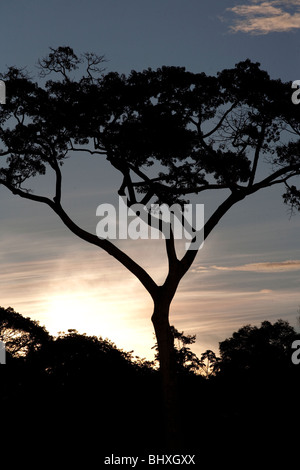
[
  {"x": 21, "y": 335},
  {"x": 170, "y": 134},
  {"x": 92, "y": 381},
  {"x": 77, "y": 355},
  {"x": 210, "y": 363},
  {"x": 22, "y": 385},
  {"x": 259, "y": 350},
  {"x": 78, "y": 380}
]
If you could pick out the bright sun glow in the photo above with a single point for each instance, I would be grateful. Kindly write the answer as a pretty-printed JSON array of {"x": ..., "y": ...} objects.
[
  {"x": 68, "y": 311},
  {"x": 84, "y": 312},
  {"x": 87, "y": 313}
]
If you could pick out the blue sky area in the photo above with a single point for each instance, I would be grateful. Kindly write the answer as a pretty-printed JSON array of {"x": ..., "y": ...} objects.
[{"x": 248, "y": 270}]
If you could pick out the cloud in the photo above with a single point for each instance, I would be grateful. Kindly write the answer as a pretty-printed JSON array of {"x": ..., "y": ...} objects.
[
  {"x": 200, "y": 269},
  {"x": 265, "y": 267},
  {"x": 263, "y": 17}
]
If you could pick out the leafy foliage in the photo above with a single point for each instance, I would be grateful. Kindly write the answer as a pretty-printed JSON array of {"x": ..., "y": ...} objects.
[
  {"x": 187, "y": 361},
  {"x": 210, "y": 363},
  {"x": 21, "y": 335},
  {"x": 263, "y": 349}
]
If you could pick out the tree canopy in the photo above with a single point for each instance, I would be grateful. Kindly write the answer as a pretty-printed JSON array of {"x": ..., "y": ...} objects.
[
  {"x": 21, "y": 335},
  {"x": 265, "y": 349},
  {"x": 206, "y": 132}
]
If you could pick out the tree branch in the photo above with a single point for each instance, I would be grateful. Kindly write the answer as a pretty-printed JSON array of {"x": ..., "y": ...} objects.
[
  {"x": 208, "y": 134},
  {"x": 106, "y": 245},
  {"x": 236, "y": 196},
  {"x": 110, "y": 248},
  {"x": 92, "y": 152},
  {"x": 53, "y": 163},
  {"x": 27, "y": 195},
  {"x": 190, "y": 255},
  {"x": 257, "y": 155},
  {"x": 270, "y": 180},
  {"x": 171, "y": 251}
]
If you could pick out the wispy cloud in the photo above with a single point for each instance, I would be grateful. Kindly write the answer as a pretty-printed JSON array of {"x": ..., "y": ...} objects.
[
  {"x": 263, "y": 17},
  {"x": 265, "y": 267}
]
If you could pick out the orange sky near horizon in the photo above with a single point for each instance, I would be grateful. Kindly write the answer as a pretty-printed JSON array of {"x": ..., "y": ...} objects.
[{"x": 83, "y": 288}]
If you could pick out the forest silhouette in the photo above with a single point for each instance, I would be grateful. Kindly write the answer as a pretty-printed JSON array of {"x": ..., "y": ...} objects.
[{"x": 83, "y": 390}]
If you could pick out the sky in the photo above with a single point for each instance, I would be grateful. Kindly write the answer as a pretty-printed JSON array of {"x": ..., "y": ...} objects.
[{"x": 248, "y": 270}]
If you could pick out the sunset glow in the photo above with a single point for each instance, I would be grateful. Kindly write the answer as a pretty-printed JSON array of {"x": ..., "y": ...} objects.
[{"x": 248, "y": 269}]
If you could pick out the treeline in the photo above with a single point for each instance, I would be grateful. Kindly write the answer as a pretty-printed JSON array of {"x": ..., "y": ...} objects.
[{"x": 83, "y": 390}]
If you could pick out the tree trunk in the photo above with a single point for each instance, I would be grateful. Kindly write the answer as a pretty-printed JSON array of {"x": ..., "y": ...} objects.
[{"x": 169, "y": 379}]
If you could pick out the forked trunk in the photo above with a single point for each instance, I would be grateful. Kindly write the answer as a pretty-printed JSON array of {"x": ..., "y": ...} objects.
[{"x": 165, "y": 342}]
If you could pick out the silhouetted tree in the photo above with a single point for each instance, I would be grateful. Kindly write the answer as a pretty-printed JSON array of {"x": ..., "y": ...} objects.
[
  {"x": 210, "y": 363},
  {"x": 74, "y": 355},
  {"x": 258, "y": 383},
  {"x": 260, "y": 350},
  {"x": 78, "y": 380},
  {"x": 202, "y": 132},
  {"x": 21, "y": 335}
]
